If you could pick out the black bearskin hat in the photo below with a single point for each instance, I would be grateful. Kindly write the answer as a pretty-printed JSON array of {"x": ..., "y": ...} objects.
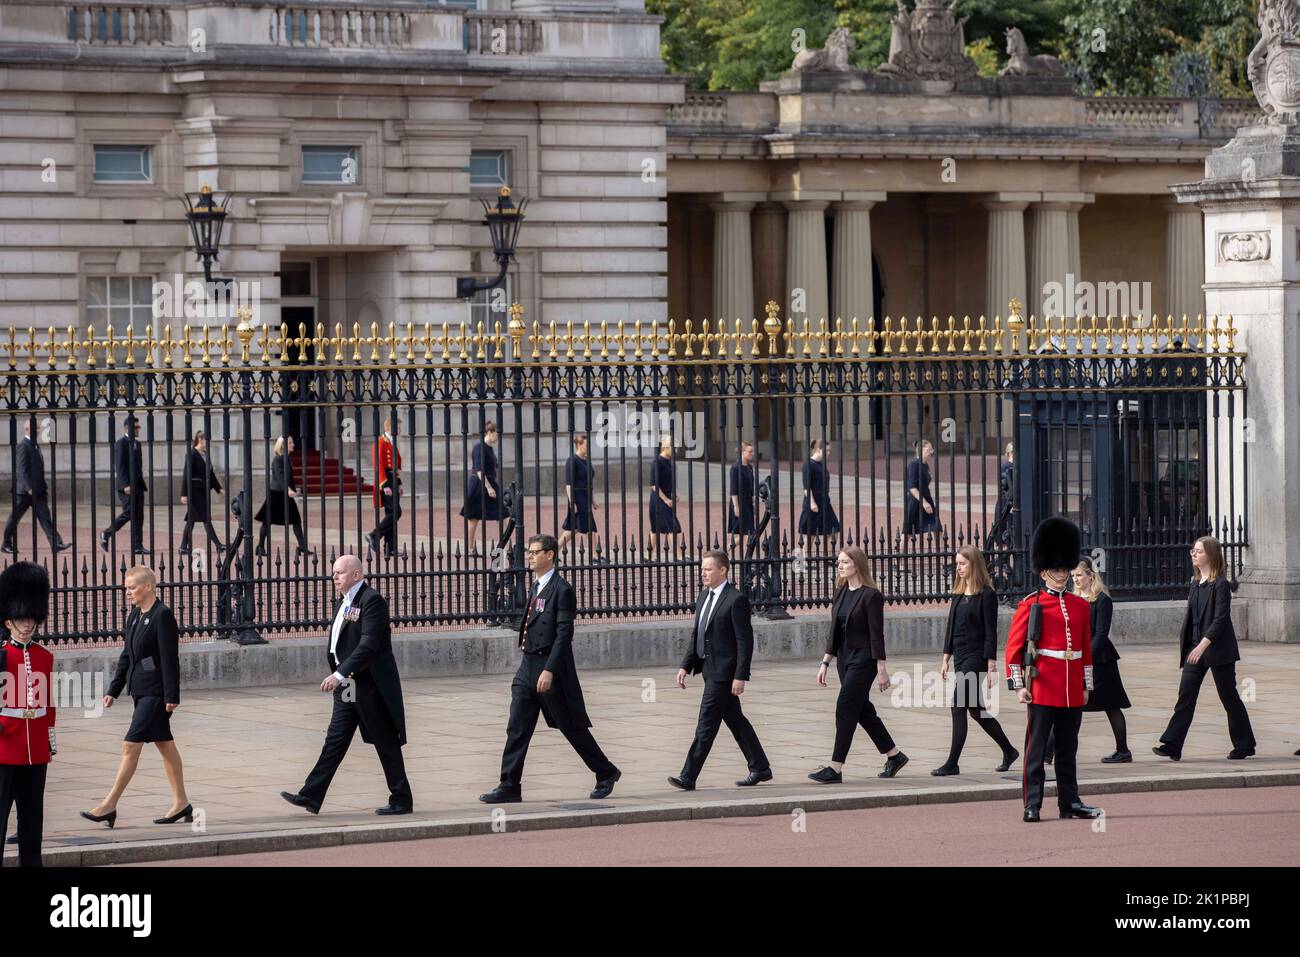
[
  {"x": 24, "y": 593},
  {"x": 1056, "y": 544}
]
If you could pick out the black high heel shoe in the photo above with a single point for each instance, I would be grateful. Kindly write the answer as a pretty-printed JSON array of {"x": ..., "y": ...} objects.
[
  {"x": 110, "y": 818},
  {"x": 187, "y": 812}
]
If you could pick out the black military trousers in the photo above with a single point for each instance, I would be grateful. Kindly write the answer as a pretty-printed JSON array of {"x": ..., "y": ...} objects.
[
  {"x": 24, "y": 785},
  {"x": 1064, "y": 723}
]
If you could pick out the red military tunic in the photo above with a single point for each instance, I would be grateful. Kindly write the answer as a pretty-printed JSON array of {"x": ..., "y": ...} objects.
[
  {"x": 388, "y": 460},
  {"x": 26, "y": 704},
  {"x": 1064, "y": 649}
]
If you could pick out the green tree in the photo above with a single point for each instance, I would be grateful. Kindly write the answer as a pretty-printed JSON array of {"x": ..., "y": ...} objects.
[{"x": 761, "y": 43}]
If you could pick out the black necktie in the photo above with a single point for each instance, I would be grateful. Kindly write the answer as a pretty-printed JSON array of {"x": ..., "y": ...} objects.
[{"x": 704, "y": 623}]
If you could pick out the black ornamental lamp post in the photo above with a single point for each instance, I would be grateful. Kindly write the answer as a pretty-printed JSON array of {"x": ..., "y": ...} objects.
[
  {"x": 503, "y": 221},
  {"x": 206, "y": 214}
]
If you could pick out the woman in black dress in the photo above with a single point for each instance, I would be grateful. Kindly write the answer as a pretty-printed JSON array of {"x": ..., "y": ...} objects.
[
  {"x": 1108, "y": 692},
  {"x": 970, "y": 650},
  {"x": 740, "y": 498},
  {"x": 149, "y": 667},
  {"x": 197, "y": 482},
  {"x": 663, "y": 497},
  {"x": 579, "y": 479},
  {"x": 280, "y": 507},
  {"x": 482, "y": 493},
  {"x": 857, "y": 643},
  {"x": 1208, "y": 643},
  {"x": 920, "y": 514},
  {"x": 817, "y": 517}
]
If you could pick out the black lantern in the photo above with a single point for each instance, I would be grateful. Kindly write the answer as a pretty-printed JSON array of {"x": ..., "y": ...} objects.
[
  {"x": 503, "y": 221},
  {"x": 206, "y": 215}
]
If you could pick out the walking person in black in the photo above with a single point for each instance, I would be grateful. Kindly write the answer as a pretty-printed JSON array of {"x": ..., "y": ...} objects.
[
  {"x": 128, "y": 481},
  {"x": 1108, "y": 692},
  {"x": 970, "y": 651},
  {"x": 280, "y": 507},
  {"x": 857, "y": 643},
  {"x": 1208, "y": 643},
  {"x": 920, "y": 513},
  {"x": 740, "y": 500},
  {"x": 817, "y": 517},
  {"x": 367, "y": 692},
  {"x": 579, "y": 479},
  {"x": 30, "y": 491},
  {"x": 721, "y": 649},
  {"x": 547, "y": 682},
  {"x": 197, "y": 482},
  {"x": 663, "y": 496},
  {"x": 482, "y": 494}
]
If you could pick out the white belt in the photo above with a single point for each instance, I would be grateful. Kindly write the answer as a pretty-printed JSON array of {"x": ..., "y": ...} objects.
[
  {"x": 1063, "y": 655},
  {"x": 22, "y": 712}
]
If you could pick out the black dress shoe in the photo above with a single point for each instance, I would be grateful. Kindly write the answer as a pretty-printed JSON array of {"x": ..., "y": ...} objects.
[
  {"x": 503, "y": 794},
  {"x": 892, "y": 765},
  {"x": 1164, "y": 752},
  {"x": 390, "y": 809},
  {"x": 103, "y": 540},
  {"x": 1031, "y": 815},
  {"x": 373, "y": 542},
  {"x": 945, "y": 770},
  {"x": 605, "y": 786},
  {"x": 680, "y": 783},
  {"x": 110, "y": 818},
  {"x": 186, "y": 814},
  {"x": 1049, "y": 757},
  {"x": 9, "y": 548},
  {"x": 1237, "y": 755},
  {"x": 142, "y": 551},
  {"x": 827, "y": 775},
  {"x": 61, "y": 547},
  {"x": 1008, "y": 760},
  {"x": 1079, "y": 809},
  {"x": 1119, "y": 757},
  {"x": 755, "y": 777},
  {"x": 297, "y": 800}
]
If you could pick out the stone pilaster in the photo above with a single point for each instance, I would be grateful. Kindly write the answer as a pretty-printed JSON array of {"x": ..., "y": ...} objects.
[
  {"x": 1184, "y": 261},
  {"x": 1005, "y": 277},
  {"x": 852, "y": 294},
  {"x": 807, "y": 296}
]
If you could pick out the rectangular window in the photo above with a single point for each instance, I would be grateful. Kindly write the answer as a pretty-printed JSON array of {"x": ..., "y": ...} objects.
[
  {"x": 488, "y": 169},
  {"x": 124, "y": 302},
  {"x": 330, "y": 164},
  {"x": 122, "y": 164}
]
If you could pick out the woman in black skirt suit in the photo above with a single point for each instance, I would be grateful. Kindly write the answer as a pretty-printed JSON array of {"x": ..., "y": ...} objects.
[
  {"x": 663, "y": 495},
  {"x": 1208, "y": 643},
  {"x": 579, "y": 479},
  {"x": 149, "y": 667},
  {"x": 857, "y": 642},
  {"x": 280, "y": 507},
  {"x": 818, "y": 516},
  {"x": 970, "y": 650},
  {"x": 482, "y": 493},
  {"x": 1108, "y": 692},
  {"x": 198, "y": 481}
]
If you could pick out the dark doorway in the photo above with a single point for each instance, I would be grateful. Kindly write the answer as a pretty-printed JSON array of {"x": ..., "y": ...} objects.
[{"x": 300, "y": 421}]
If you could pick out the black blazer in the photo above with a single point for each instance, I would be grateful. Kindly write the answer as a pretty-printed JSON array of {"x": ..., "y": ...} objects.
[
  {"x": 29, "y": 469},
  {"x": 128, "y": 465},
  {"x": 282, "y": 473},
  {"x": 1099, "y": 618},
  {"x": 199, "y": 476},
  {"x": 551, "y": 629},
  {"x": 981, "y": 624},
  {"x": 150, "y": 663},
  {"x": 1216, "y": 625},
  {"x": 365, "y": 654},
  {"x": 728, "y": 639},
  {"x": 866, "y": 624}
]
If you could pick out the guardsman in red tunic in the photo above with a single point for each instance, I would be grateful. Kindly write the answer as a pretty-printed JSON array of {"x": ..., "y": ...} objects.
[
  {"x": 26, "y": 705},
  {"x": 1049, "y": 667},
  {"x": 388, "y": 489}
]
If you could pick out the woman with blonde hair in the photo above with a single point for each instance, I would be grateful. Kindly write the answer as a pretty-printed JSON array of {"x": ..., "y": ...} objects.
[
  {"x": 970, "y": 650},
  {"x": 1108, "y": 692},
  {"x": 280, "y": 507},
  {"x": 857, "y": 642}
]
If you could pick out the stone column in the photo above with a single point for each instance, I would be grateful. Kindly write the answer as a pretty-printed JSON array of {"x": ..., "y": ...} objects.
[
  {"x": 1005, "y": 277},
  {"x": 805, "y": 277},
  {"x": 852, "y": 295},
  {"x": 1184, "y": 261},
  {"x": 1054, "y": 253},
  {"x": 733, "y": 265},
  {"x": 1252, "y": 273},
  {"x": 769, "y": 244}
]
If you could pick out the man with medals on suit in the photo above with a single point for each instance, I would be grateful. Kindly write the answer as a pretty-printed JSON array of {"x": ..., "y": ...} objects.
[
  {"x": 367, "y": 692},
  {"x": 721, "y": 648},
  {"x": 388, "y": 490},
  {"x": 1049, "y": 667},
  {"x": 128, "y": 481},
  {"x": 547, "y": 681},
  {"x": 30, "y": 491}
]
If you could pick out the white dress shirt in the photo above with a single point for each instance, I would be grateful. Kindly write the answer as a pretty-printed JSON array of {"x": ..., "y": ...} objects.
[
  {"x": 713, "y": 603},
  {"x": 541, "y": 582},
  {"x": 338, "y": 622}
]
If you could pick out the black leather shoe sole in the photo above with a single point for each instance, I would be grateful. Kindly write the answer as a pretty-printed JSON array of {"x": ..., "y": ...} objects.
[
  {"x": 1124, "y": 757},
  {"x": 605, "y": 788},
  {"x": 1159, "y": 749},
  {"x": 389, "y": 809},
  {"x": 501, "y": 797},
  {"x": 682, "y": 785},
  {"x": 298, "y": 800},
  {"x": 1089, "y": 814},
  {"x": 755, "y": 777}
]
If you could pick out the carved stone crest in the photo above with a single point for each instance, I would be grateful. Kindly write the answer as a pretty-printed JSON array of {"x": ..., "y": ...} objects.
[
  {"x": 1274, "y": 64},
  {"x": 1245, "y": 247},
  {"x": 928, "y": 43},
  {"x": 834, "y": 58}
]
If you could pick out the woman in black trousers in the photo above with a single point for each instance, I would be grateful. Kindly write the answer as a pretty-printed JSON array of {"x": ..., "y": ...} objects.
[
  {"x": 280, "y": 507},
  {"x": 1208, "y": 643},
  {"x": 1108, "y": 692},
  {"x": 150, "y": 669},
  {"x": 970, "y": 650},
  {"x": 198, "y": 481},
  {"x": 857, "y": 642}
]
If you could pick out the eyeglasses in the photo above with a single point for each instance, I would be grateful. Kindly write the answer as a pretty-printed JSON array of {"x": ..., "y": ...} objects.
[{"x": 536, "y": 551}]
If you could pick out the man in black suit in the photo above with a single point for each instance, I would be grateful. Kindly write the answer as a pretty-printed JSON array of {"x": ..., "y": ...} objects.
[
  {"x": 547, "y": 681},
  {"x": 128, "y": 480},
  {"x": 30, "y": 491},
  {"x": 721, "y": 648},
  {"x": 367, "y": 692}
]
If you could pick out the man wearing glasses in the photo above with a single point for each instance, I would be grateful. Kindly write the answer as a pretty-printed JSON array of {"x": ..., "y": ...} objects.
[
  {"x": 547, "y": 681},
  {"x": 128, "y": 480}
]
